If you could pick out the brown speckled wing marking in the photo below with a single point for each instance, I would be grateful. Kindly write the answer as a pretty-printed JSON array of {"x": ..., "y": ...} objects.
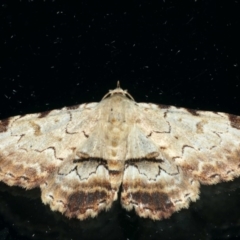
[
  {"x": 205, "y": 144},
  {"x": 79, "y": 156},
  {"x": 34, "y": 145},
  {"x": 191, "y": 147},
  {"x": 80, "y": 188},
  {"x": 156, "y": 189}
]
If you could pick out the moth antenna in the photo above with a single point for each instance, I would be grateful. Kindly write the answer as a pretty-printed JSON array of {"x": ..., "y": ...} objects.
[{"x": 118, "y": 84}]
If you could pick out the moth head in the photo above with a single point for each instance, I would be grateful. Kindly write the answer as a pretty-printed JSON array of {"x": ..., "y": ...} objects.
[{"x": 118, "y": 90}]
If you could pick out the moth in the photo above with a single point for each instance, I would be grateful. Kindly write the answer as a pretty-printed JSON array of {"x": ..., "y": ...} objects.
[{"x": 80, "y": 156}]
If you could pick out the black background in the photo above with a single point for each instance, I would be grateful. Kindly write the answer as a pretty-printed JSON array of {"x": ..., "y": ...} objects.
[{"x": 182, "y": 53}]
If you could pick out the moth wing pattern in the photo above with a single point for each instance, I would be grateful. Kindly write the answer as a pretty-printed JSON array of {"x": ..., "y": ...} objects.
[
  {"x": 79, "y": 188},
  {"x": 33, "y": 146},
  {"x": 80, "y": 156},
  {"x": 192, "y": 147},
  {"x": 156, "y": 189}
]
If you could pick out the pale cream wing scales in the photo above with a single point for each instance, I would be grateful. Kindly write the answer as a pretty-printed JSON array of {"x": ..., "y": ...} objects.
[
  {"x": 80, "y": 188},
  {"x": 205, "y": 144},
  {"x": 187, "y": 147},
  {"x": 34, "y": 145},
  {"x": 152, "y": 184},
  {"x": 156, "y": 188}
]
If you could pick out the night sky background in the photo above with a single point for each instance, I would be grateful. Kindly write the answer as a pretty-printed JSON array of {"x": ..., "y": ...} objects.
[{"x": 183, "y": 53}]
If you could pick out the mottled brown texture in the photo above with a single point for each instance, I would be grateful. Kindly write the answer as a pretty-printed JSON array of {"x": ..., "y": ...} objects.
[
  {"x": 162, "y": 106},
  {"x": 98, "y": 160},
  {"x": 234, "y": 120},
  {"x": 85, "y": 200},
  {"x": 155, "y": 201},
  {"x": 4, "y": 125},
  {"x": 156, "y": 191},
  {"x": 115, "y": 172},
  {"x": 192, "y": 111},
  {"x": 44, "y": 114},
  {"x": 36, "y": 127},
  {"x": 149, "y": 160},
  {"x": 200, "y": 126},
  {"x": 72, "y": 107},
  {"x": 81, "y": 156}
]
